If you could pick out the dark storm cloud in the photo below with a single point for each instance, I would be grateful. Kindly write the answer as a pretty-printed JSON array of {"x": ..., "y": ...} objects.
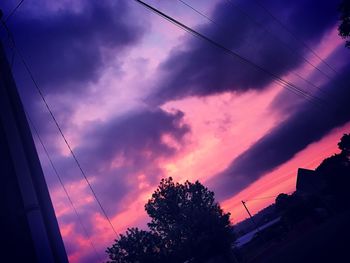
[
  {"x": 305, "y": 19},
  {"x": 307, "y": 125},
  {"x": 68, "y": 48},
  {"x": 198, "y": 68},
  {"x": 115, "y": 153},
  {"x": 137, "y": 136}
]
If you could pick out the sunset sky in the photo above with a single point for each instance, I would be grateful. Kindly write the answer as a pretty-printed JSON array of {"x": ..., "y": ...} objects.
[{"x": 140, "y": 99}]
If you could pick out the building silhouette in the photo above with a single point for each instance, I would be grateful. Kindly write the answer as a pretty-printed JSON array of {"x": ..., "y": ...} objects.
[{"x": 29, "y": 230}]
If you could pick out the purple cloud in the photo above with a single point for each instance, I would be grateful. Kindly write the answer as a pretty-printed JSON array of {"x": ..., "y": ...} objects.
[
  {"x": 116, "y": 152},
  {"x": 68, "y": 48},
  {"x": 196, "y": 68},
  {"x": 306, "y": 125}
]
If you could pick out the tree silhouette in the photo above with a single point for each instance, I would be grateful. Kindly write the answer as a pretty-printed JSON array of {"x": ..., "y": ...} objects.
[
  {"x": 344, "y": 27},
  {"x": 187, "y": 225},
  {"x": 344, "y": 144},
  {"x": 335, "y": 170},
  {"x": 136, "y": 246},
  {"x": 191, "y": 223},
  {"x": 282, "y": 202}
]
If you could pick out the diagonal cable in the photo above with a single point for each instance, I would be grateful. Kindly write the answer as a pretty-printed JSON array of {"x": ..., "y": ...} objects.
[
  {"x": 289, "y": 86},
  {"x": 257, "y": 2},
  {"x": 63, "y": 186},
  {"x": 59, "y": 128},
  {"x": 14, "y": 11}
]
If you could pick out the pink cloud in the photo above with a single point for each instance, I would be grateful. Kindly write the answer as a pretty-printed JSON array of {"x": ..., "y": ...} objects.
[
  {"x": 283, "y": 179},
  {"x": 221, "y": 129},
  {"x": 217, "y": 123}
]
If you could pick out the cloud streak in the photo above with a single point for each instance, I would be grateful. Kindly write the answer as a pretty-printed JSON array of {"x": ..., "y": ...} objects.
[
  {"x": 196, "y": 68},
  {"x": 117, "y": 154},
  {"x": 75, "y": 50},
  {"x": 307, "y": 125}
]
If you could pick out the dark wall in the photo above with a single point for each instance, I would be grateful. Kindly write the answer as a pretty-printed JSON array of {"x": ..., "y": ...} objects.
[{"x": 15, "y": 238}]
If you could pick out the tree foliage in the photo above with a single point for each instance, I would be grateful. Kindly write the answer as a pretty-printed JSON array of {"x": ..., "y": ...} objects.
[
  {"x": 282, "y": 202},
  {"x": 335, "y": 170},
  {"x": 344, "y": 27},
  {"x": 344, "y": 144},
  {"x": 189, "y": 220},
  {"x": 186, "y": 225},
  {"x": 135, "y": 245},
  {"x": 338, "y": 165}
]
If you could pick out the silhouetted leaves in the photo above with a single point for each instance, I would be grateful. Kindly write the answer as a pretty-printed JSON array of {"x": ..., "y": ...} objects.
[
  {"x": 191, "y": 223},
  {"x": 344, "y": 144},
  {"x": 282, "y": 202},
  {"x": 135, "y": 246},
  {"x": 335, "y": 170},
  {"x": 344, "y": 27},
  {"x": 186, "y": 225}
]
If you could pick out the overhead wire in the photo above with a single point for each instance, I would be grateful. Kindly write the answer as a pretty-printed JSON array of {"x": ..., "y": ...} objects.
[
  {"x": 181, "y": 25},
  {"x": 198, "y": 12},
  {"x": 267, "y": 197},
  {"x": 246, "y": 14},
  {"x": 257, "y": 2},
  {"x": 27, "y": 68},
  {"x": 280, "y": 81},
  {"x": 317, "y": 68},
  {"x": 13, "y": 11},
  {"x": 80, "y": 221},
  {"x": 282, "y": 42},
  {"x": 289, "y": 173},
  {"x": 52, "y": 164}
]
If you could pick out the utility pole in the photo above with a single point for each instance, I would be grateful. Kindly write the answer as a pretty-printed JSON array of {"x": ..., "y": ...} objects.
[
  {"x": 246, "y": 208},
  {"x": 29, "y": 230},
  {"x": 251, "y": 217}
]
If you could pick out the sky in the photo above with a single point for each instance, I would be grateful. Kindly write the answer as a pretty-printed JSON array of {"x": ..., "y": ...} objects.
[{"x": 140, "y": 99}]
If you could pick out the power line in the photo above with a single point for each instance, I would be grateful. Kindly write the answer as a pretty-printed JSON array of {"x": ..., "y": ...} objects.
[
  {"x": 261, "y": 198},
  {"x": 63, "y": 186},
  {"x": 289, "y": 86},
  {"x": 242, "y": 11},
  {"x": 284, "y": 83},
  {"x": 266, "y": 197},
  {"x": 198, "y": 12},
  {"x": 59, "y": 128},
  {"x": 257, "y": 2},
  {"x": 234, "y": 4},
  {"x": 54, "y": 168},
  {"x": 14, "y": 11},
  {"x": 282, "y": 42}
]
